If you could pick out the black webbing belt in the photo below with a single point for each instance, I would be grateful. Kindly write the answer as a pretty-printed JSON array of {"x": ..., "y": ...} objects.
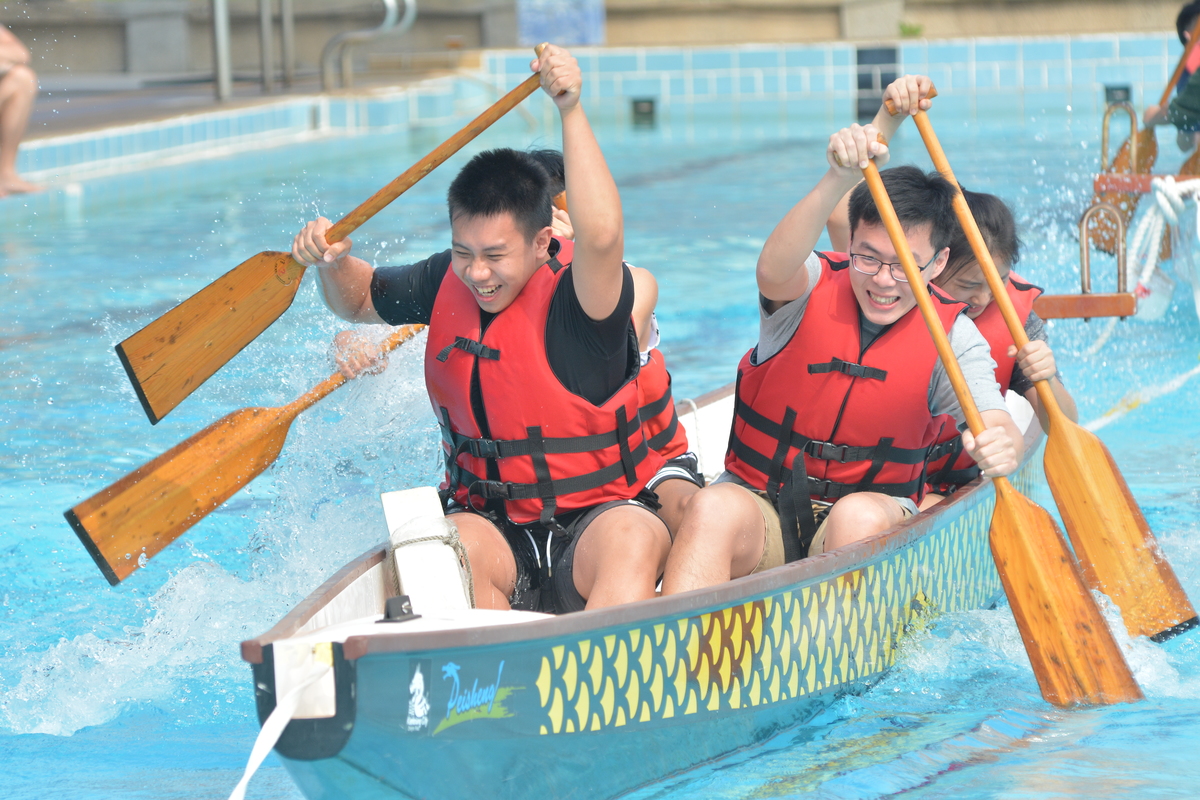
[
  {"x": 652, "y": 410},
  {"x": 848, "y": 368},
  {"x": 947, "y": 475}
]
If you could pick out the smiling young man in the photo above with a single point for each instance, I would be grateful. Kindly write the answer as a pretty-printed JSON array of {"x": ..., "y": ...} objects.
[
  {"x": 836, "y": 404},
  {"x": 530, "y": 368}
]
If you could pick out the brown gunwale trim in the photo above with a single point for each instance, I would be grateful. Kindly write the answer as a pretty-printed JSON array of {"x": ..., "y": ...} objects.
[
  {"x": 705, "y": 399},
  {"x": 307, "y": 608}
]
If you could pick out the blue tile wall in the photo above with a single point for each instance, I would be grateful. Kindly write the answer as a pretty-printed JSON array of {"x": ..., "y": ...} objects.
[{"x": 977, "y": 78}]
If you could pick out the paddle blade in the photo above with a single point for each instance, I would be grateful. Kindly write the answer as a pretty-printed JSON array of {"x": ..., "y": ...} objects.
[
  {"x": 168, "y": 359},
  {"x": 152, "y": 506},
  {"x": 1074, "y": 657},
  {"x": 1119, "y": 553},
  {"x": 1102, "y": 231}
]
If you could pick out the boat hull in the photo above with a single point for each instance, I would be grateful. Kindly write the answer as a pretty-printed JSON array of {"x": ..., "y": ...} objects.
[{"x": 599, "y": 702}]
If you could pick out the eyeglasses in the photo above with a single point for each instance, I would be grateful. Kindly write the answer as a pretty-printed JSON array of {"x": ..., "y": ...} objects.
[{"x": 868, "y": 265}]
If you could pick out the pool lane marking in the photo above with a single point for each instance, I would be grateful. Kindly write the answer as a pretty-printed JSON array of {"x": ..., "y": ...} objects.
[{"x": 1140, "y": 397}]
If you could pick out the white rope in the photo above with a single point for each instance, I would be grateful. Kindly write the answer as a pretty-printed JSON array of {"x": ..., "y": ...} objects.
[
  {"x": 1170, "y": 197},
  {"x": 273, "y": 728}
]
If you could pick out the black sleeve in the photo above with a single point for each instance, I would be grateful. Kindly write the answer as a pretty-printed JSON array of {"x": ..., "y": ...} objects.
[
  {"x": 405, "y": 295},
  {"x": 592, "y": 358}
]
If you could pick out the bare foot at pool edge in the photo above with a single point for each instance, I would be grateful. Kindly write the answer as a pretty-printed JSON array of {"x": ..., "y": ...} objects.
[{"x": 18, "y": 185}]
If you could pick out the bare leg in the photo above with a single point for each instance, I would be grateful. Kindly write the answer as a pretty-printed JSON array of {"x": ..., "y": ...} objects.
[
  {"x": 674, "y": 494},
  {"x": 722, "y": 536},
  {"x": 858, "y": 516},
  {"x": 18, "y": 88},
  {"x": 619, "y": 556},
  {"x": 492, "y": 564},
  {"x": 930, "y": 500}
]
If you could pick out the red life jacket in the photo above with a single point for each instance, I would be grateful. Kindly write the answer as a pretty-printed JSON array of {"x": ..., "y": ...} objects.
[
  {"x": 552, "y": 450},
  {"x": 659, "y": 420},
  {"x": 859, "y": 417},
  {"x": 957, "y": 468}
]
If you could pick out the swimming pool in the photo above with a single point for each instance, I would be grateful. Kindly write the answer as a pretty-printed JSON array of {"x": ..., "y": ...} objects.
[{"x": 139, "y": 691}]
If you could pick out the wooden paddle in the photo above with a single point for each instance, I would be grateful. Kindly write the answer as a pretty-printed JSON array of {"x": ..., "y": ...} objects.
[
  {"x": 1074, "y": 657},
  {"x": 1103, "y": 233},
  {"x": 149, "y": 508},
  {"x": 171, "y": 357},
  {"x": 1116, "y": 548}
]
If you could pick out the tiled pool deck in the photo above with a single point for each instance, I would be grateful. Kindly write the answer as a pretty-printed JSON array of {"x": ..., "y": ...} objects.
[{"x": 1014, "y": 79}]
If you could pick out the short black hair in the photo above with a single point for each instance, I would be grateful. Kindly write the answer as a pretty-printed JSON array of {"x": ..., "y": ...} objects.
[
  {"x": 919, "y": 199},
  {"x": 999, "y": 229},
  {"x": 552, "y": 162},
  {"x": 1187, "y": 18},
  {"x": 503, "y": 181}
]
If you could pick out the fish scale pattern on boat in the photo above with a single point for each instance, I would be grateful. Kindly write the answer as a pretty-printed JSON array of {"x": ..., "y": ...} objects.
[{"x": 826, "y": 636}]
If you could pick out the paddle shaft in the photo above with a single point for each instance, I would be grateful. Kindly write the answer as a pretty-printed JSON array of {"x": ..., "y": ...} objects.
[
  {"x": 376, "y": 202},
  {"x": 999, "y": 293},
  {"x": 325, "y": 387},
  {"x": 913, "y": 273}
]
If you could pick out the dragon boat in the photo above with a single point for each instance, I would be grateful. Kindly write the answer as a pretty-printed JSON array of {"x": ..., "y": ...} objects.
[{"x": 382, "y": 696}]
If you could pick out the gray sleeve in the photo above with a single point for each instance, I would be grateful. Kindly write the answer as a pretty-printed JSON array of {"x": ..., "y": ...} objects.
[
  {"x": 776, "y": 329},
  {"x": 975, "y": 359}
]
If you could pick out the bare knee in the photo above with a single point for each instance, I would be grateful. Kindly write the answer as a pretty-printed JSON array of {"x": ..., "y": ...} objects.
[
  {"x": 860, "y": 516},
  {"x": 493, "y": 568}
]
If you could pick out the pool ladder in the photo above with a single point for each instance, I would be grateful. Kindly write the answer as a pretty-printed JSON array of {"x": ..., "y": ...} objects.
[
  {"x": 1088, "y": 304},
  {"x": 341, "y": 47}
]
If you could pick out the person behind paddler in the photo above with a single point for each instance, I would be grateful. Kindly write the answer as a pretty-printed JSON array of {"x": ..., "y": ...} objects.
[
  {"x": 1016, "y": 370},
  {"x": 1184, "y": 110},
  {"x": 530, "y": 366},
  {"x": 679, "y": 478},
  {"x": 835, "y": 406}
]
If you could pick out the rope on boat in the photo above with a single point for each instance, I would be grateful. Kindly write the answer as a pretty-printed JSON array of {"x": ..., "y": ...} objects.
[
  {"x": 273, "y": 728},
  {"x": 1170, "y": 198},
  {"x": 451, "y": 540}
]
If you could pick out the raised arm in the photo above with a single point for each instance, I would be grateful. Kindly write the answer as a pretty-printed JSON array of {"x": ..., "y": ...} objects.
[
  {"x": 780, "y": 273},
  {"x": 591, "y": 192},
  {"x": 12, "y": 51},
  {"x": 645, "y": 298},
  {"x": 345, "y": 280}
]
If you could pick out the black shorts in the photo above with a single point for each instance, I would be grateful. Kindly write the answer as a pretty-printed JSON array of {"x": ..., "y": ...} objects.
[
  {"x": 685, "y": 467},
  {"x": 545, "y": 556}
]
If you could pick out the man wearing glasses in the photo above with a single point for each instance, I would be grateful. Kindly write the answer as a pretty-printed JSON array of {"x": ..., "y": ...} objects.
[{"x": 836, "y": 406}]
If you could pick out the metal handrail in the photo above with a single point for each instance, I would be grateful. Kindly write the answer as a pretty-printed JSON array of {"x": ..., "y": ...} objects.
[
  {"x": 1085, "y": 266},
  {"x": 1133, "y": 139},
  {"x": 340, "y": 46}
]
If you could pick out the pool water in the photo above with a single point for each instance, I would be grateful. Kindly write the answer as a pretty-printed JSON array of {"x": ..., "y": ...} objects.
[{"x": 139, "y": 690}]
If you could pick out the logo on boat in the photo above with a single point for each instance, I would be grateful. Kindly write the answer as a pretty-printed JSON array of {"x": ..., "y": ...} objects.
[
  {"x": 476, "y": 701},
  {"x": 418, "y": 695}
]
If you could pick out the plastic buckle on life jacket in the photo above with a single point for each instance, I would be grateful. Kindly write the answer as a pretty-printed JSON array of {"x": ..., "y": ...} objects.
[
  {"x": 482, "y": 448},
  {"x": 827, "y": 451},
  {"x": 493, "y": 490},
  {"x": 819, "y": 488}
]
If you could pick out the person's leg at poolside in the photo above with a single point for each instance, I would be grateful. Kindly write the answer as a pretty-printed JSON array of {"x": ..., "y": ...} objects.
[
  {"x": 493, "y": 567},
  {"x": 18, "y": 88},
  {"x": 858, "y": 516},
  {"x": 723, "y": 536},
  {"x": 619, "y": 556}
]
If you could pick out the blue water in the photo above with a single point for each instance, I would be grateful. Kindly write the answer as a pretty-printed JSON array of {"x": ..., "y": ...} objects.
[{"x": 139, "y": 691}]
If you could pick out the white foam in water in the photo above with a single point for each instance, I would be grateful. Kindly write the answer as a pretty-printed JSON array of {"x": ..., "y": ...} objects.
[{"x": 182, "y": 656}]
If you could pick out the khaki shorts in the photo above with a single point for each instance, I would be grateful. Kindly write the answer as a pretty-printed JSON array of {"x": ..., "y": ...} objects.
[{"x": 773, "y": 551}]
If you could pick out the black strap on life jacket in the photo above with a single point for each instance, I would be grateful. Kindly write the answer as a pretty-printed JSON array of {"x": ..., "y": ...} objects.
[
  {"x": 947, "y": 475},
  {"x": 652, "y": 409},
  {"x": 848, "y": 368},
  {"x": 471, "y": 346},
  {"x": 537, "y": 446},
  {"x": 795, "y": 504}
]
